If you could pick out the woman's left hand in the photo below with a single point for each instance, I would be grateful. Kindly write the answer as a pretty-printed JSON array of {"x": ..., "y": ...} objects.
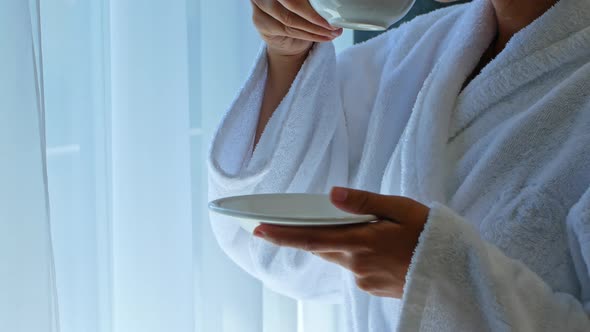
[{"x": 378, "y": 253}]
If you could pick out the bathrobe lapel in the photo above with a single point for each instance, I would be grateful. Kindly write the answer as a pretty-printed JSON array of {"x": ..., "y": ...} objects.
[
  {"x": 420, "y": 165},
  {"x": 545, "y": 45}
]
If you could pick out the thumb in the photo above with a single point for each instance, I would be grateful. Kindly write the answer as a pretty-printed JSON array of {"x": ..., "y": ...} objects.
[{"x": 393, "y": 208}]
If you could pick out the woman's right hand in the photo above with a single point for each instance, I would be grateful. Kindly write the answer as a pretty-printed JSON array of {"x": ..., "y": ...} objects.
[{"x": 290, "y": 27}]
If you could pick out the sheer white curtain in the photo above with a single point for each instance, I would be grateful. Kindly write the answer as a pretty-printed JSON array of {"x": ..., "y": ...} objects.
[
  {"x": 27, "y": 285},
  {"x": 133, "y": 91}
]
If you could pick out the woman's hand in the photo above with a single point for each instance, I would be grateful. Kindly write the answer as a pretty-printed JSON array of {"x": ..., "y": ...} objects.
[
  {"x": 290, "y": 27},
  {"x": 378, "y": 254}
]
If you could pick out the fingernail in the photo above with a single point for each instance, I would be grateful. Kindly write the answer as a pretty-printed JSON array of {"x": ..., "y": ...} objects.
[
  {"x": 259, "y": 233},
  {"x": 336, "y": 33},
  {"x": 339, "y": 194}
]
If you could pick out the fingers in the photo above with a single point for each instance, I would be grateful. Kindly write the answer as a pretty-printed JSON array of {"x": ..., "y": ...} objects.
[
  {"x": 301, "y": 18},
  {"x": 393, "y": 208},
  {"x": 363, "y": 202},
  {"x": 313, "y": 239},
  {"x": 381, "y": 287},
  {"x": 305, "y": 10},
  {"x": 269, "y": 25},
  {"x": 355, "y": 263},
  {"x": 334, "y": 257}
]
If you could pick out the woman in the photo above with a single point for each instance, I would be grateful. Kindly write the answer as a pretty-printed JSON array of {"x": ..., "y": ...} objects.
[{"x": 467, "y": 130}]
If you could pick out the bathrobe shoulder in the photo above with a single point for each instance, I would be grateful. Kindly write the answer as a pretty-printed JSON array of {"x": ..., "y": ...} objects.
[{"x": 336, "y": 95}]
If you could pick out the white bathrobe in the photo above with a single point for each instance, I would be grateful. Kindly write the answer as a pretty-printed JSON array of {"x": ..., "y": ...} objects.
[{"x": 504, "y": 165}]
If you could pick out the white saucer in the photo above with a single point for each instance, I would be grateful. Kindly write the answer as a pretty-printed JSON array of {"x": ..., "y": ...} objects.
[{"x": 286, "y": 210}]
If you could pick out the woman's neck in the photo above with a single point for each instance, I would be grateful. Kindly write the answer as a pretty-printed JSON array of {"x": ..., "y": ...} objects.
[{"x": 514, "y": 15}]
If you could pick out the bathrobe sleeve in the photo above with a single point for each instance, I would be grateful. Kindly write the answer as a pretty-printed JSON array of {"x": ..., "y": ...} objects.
[
  {"x": 304, "y": 148},
  {"x": 459, "y": 282}
]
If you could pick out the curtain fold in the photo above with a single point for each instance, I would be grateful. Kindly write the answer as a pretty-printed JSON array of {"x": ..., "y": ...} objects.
[
  {"x": 27, "y": 279},
  {"x": 152, "y": 226}
]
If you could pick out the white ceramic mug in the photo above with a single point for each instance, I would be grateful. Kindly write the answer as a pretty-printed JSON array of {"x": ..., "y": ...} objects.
[{"x": 371, "y": 15}]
